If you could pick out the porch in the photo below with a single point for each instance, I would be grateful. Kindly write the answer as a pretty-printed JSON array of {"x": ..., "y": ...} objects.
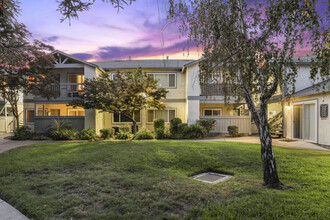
[
  {"x": 226, "y": 115},
  {"x": 222, "y": 122}
]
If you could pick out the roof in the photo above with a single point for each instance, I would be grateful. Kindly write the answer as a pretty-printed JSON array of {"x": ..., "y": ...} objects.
[
  {"x": 145, "y": 64},
  {"x": 303, "y": 59},
  {"x": 312, "y": 91},
  {"x": 76, "y": 58}
]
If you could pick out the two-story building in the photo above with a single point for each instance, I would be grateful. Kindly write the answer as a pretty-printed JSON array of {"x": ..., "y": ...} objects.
[{"x": 186, "y": 99}]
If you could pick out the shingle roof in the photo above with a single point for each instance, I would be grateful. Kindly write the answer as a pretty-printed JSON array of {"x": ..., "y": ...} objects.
[
  {"x": 145, "y": 64},
  {"x": 312, "y": 91}
]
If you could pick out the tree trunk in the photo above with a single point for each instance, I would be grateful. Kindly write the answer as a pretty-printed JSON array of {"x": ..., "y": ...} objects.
[
  {"x": 267, "y": 154},
  {"x": 134, "y": 127}
]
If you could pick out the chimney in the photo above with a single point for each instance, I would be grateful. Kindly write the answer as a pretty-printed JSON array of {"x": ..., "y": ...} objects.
[{"x": 129, "y": 58}]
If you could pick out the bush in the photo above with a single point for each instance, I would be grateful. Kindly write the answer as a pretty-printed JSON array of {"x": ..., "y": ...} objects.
[
  {"x": 107, "y": 133},
  {"x": 123, "y": 134},
  {"x": 22, "y": 133},
  {"x": 64, "y": 134},
  {"x": 194, "y": 131},
  {"x": 159, "y": 128},
  {"x": 144, "y": 134},
  {"x": 39, "y": 137},
  {"x": 174, "y": 125},
  {"x": 207, "y": 124},
  {"x": 181, "y": 127},
  {"x": 233, "y": 131},
  {"x": 87, "y": 134}
]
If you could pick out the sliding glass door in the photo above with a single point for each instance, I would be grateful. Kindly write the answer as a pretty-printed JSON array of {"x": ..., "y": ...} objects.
[{"x": 304, "y": 121}]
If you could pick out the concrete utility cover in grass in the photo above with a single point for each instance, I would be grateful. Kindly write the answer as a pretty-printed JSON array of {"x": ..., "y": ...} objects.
[{"x": 211, "y": 177}]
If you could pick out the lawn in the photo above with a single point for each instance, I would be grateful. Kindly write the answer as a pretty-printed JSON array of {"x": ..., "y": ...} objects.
[{"x": 150, "y": 180}]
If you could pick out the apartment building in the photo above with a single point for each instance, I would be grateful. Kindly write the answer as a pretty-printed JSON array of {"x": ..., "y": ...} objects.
[{"x": 186, "y": 98}]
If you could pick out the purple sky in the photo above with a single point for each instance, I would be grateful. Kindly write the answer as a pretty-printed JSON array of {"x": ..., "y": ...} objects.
[{"x": 104, "y": 34}]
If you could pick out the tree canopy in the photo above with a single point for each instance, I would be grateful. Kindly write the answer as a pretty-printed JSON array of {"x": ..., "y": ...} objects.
[
  {"x": 122, "y": 93},
  {"x": 25, "y": 66},
  {"x": 252, "y": 44}
]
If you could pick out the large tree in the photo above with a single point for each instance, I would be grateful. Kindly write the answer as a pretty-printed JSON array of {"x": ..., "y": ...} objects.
[
  {"x": 24, "y": 66},
  {"x": 124, "y": 93},
  {"x": 253, "y": 44}
]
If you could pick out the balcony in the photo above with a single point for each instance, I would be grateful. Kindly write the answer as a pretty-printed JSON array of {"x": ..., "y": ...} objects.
[
  {"x": 68, "y": 90},
  {"x": 218, "y": 89}
]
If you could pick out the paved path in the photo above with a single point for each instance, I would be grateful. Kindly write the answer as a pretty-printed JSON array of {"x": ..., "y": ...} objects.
[
  {"x": 6, "y": 144},
  {"x": 280, "y": 142},
  {"x": 8, "y": 212}
]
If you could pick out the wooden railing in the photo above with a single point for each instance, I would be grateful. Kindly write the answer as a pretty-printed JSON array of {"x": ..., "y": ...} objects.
[
  {"x": 222, "y": 122},
  {"x": 218, "y": 89},
  {"x": 68, "y": 89}
]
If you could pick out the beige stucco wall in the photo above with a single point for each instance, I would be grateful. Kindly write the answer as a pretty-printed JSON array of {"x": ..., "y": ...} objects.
[
  {"x": 179, "y": 107},
  {"x": 323, "y": 125},
  {"x": 226, "y": 110}
]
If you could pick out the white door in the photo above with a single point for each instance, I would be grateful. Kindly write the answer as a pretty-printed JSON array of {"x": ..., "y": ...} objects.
[{"x": 304, "y": 121}]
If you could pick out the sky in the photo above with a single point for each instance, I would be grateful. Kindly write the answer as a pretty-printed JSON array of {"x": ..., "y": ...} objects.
[{"x": 102, "y": 33}]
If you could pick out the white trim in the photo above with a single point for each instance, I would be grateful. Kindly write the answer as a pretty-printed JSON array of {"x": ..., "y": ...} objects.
[
  {"x": 166, "y": 73},
  {"x": 154, "y": 114},
  {"x": 217, "y": 109},
  {"x": 25, "y": 118},
  {"x": 303, "y": 103}
]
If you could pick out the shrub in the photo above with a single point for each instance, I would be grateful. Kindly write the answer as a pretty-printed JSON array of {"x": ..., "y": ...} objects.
[
  {"x": 159, "y": 128},
  {"x": 194, "y": 131},
  {"x": 39, "y": 137},
  {"x": 207, "y": 124},
  {"x": 181, "y": 127},
  {"x": 107, "y": 133},
  {"x": 233, "y": 131},
  {"x": 174, "y": 125},
  {"x": 87, "y": 134},
  {"x": 22, "y": 133},
  {"x": 144, "y": 134},
  {"x": 64, "y": 134},
  {"x": 123, "y": 134}
]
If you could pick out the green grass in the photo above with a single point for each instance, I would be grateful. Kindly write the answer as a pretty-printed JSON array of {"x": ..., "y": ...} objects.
[{"x": 150, "y": 180}]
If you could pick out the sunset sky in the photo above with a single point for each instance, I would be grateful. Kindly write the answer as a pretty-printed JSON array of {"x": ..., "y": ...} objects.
[{"x": 104, "y": 34}]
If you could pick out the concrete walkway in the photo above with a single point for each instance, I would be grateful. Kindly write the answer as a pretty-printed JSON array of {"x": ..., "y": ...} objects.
[
  {"x": 6, "y": 144},
  {"x": 279, "y": 142},
  {"x": 8, "y": 212}
]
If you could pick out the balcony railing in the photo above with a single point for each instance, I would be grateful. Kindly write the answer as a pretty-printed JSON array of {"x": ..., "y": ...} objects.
[
  {"x": 68, "y": 90},
  {"x": 219, "y": 89}
]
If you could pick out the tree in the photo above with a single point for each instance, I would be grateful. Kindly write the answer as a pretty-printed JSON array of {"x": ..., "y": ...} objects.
[
  {"x": 22, "y": 61},
  {"x": 124, "y": 94},
  {"x": 253, "y": 43},
  {"x": 70, "y": 8},
  {"x": 32, "y": 73}
]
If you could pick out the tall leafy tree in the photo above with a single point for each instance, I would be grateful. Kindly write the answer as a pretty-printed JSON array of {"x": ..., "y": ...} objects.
[
  {"x": 124, "y": 94},
  {"x": 253, "y": 44},
  {"x": 24, "y": 66}
]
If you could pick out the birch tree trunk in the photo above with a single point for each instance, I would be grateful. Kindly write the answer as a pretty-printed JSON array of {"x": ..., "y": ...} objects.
[{"x": 267, "y": 154}]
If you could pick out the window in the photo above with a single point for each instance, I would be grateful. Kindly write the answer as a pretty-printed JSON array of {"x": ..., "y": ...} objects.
[
  {"x": 164, "y": 80},
  {"x": 167, "y": 115},
  {"x": 77, "y": 88},
  {"x": 212, "y": 112},
  {"x": 55, "y": 112},
  {"x": 76, "y": 112},
  {"x": 29, "y": 116},
  {"x": 119, "y": 118}
]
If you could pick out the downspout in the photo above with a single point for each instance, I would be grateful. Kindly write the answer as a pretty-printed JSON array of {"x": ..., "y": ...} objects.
[{"x": 6, "y": 119}]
